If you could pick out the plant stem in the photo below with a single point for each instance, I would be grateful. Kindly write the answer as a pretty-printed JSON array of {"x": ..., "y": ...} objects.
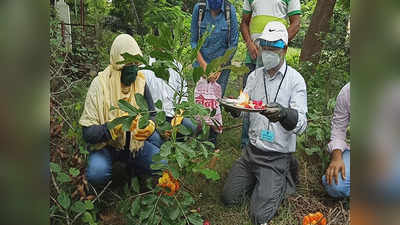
[
  {"x": 55, "y": 184},
  {"x": 61, "y": 208},
  {"x": 180, "y": 207},
  {"x": 155, "y": 207},
  {"x": 181, "y": 91},
  {"x": 141, "y": 194},
  {"x": 66, "y": 121},
  {"x": 185, "y": 186}
]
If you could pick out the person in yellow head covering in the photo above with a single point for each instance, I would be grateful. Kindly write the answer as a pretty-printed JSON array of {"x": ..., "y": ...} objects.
[{"x": 135, "y": 147}]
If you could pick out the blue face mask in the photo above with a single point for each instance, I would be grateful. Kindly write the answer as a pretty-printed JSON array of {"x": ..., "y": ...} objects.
[{"x": 215, "y": 4}]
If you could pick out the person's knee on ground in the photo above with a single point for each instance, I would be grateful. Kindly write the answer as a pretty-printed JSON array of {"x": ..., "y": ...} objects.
[
  {"x": 263, "y": 211},
  {"x": 259, "y": 217},
  {"x": 262, "y": 215},
  {"x": 231, "y": 197},
  {"x": 99, "y": 168},
  {"x": 228, "y": 198},
  {"x": 339, "y": 190}
]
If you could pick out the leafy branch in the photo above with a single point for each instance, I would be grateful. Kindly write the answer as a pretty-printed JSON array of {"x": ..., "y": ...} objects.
[
  {"x": 154, "y": 209},
  {"x": 183, "y": 212},
  {"x": 97, "y": 197}
]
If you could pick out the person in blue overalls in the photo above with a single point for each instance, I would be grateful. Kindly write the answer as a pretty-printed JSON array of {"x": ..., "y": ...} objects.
[{"x": 221, "y": 15}]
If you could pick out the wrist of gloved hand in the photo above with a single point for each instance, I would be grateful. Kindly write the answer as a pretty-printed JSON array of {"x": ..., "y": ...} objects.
[
  {"x": 289, "y": 122},
  {"x": 288, "y": 117},
  {"x": 177, "y": 120},
  {"x": 142, "y": 134},
  {"x": 116, "y": 132},
  {"x": 275, "y": 112}
]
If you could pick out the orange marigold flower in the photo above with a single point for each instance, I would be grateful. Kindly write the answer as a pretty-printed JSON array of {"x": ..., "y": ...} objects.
[
  {"x": 314, "y": 219},
  {"x": 167, "y": 181}
]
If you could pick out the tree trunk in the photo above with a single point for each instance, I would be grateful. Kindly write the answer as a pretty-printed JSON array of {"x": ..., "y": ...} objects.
[{"x": 312, "y": 44}]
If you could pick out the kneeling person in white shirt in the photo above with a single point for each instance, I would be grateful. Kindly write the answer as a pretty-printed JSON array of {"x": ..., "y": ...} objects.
[{"x": 267, "y": 169}]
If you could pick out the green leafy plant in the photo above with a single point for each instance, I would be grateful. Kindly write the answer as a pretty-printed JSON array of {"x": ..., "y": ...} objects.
[{"x": 64, "y": 203}]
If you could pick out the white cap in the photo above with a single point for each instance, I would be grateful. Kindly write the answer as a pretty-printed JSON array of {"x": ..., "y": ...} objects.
[{"x": 275, "y": 31}]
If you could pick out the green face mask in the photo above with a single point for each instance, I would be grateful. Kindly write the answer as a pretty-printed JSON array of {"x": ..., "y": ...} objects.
[{"x": 128, "y": 74}]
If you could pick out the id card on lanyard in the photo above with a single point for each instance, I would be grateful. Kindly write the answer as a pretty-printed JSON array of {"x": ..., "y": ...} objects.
[{"x": 268, "y": 134}]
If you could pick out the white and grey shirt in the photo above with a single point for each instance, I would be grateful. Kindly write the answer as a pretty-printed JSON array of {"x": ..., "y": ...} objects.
[
  {"x": 292, "y": 94},
  {"x": 161, "y": 90}
]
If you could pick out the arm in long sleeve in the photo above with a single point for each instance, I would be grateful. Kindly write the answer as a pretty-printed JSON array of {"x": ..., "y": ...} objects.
[
  {"x": 96, "y": 134},
  {"x": 92, "y": 131},
  {"x": 298, "y": 102},
  {"x": 340, "y": 121}
]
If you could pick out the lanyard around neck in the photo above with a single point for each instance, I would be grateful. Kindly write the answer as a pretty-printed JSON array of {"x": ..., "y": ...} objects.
[{"x": 279, "y": 88}]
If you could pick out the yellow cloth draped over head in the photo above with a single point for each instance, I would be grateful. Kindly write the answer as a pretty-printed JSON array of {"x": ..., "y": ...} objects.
[{"x": 106, "y": 89}]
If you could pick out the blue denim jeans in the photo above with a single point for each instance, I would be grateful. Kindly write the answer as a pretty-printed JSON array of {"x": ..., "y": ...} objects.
[
  {"x": 100, "y": 162},
  {"x": 223, "y": 81},
  {"x": 342, "y": 189}
]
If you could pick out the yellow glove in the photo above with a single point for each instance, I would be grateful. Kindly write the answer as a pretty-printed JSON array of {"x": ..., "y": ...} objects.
[
  {"x": 116, "y": 132},
  {"x": 142, "y": 134},
  {"x": 177, "y": 119}
]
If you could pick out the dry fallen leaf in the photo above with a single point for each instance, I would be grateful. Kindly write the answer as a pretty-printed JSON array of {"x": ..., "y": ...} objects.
[
  {"x": 90, "y": 197},
  {"x": 74, "y": 194},
  {"x": 81, "y": 190}
]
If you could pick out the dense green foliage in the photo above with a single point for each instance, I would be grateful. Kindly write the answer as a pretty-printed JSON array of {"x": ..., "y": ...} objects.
[{"x": 324, "y": 80}]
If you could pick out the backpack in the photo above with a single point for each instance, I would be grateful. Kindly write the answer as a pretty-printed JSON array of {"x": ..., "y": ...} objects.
[{"x": 202, "y": 9}]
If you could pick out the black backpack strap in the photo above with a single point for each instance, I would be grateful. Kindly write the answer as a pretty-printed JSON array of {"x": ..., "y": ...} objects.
[
  {"x": 202, "y": 10},
  {"x": 227, "y": 6}
]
